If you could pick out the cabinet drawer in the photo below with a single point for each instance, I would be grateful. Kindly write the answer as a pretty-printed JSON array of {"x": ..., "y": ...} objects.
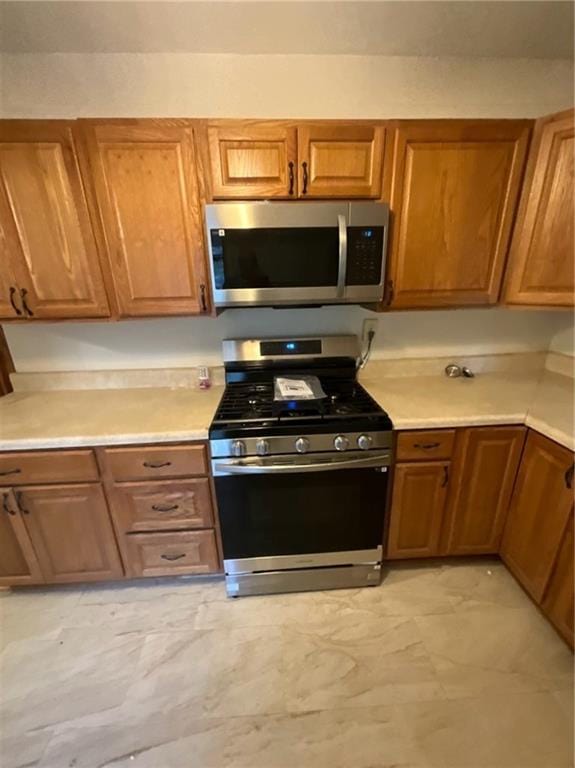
[
  {"x": 164, "y": 554},
  {"x": 163, "y": 505},
  {"x": 47, "y": 467},
  {"x": 425, "y": 445},
  {"x": 153, "y": 462}
]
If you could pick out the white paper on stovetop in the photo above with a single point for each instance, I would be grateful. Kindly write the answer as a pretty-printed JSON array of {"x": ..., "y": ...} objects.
[{"x": 297, "y": 388}]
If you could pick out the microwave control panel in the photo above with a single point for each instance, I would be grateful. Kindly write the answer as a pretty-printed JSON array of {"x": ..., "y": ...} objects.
[{"x": 364, "y": 255}]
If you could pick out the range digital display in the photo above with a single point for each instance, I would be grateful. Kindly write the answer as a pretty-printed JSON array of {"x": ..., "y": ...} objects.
[{"x": 290, "y": 347}]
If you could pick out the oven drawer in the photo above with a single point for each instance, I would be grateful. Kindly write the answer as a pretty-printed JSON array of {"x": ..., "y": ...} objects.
[
  {"x": 48, "y": 467},
  {"x": 163, "y": 505},
  {"x": 157, "y": 461},
  {"x": 425, "y": 444},
  {"x": 165, "y": 554}
]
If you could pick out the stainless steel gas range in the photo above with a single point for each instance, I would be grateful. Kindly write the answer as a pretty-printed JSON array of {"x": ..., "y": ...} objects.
[{"x": 301, "y": 484}]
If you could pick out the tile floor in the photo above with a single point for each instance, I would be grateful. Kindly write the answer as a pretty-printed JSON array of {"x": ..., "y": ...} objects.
[{"x": 443, "y": 666}]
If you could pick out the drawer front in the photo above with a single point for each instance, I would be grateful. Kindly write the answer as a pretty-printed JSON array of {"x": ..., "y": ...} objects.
[
  {"x": 165, "y": 554},
  {"x": 48, "y": 467},
  {"x": 163, "y": 505},
  {"x": 153, "y": 462},
  {"x": 424, "y": 445}
]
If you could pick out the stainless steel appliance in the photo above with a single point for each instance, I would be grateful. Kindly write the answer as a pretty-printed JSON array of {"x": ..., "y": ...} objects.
[
  {"x": 301, "y": 485},
  {"x": 272, "y": 254}
]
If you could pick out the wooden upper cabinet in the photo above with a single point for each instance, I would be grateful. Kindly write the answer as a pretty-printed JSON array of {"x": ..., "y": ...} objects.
[
  {"x": 541, "y": 262},
  {"x": 340, "y": 160},
  {"x": 454, "y": 190},
  {"x": 417, "y": 509},
  {"x": 539, "y": 512},
  {"x": 559, "y": 599},
  {"x": 49, "y": 251},
  {"x": 146, "y": 188},
  {"x": 71, "y": 531},
  {"x": 252, "y": 159},
  {"x": 483, "y": 471}
]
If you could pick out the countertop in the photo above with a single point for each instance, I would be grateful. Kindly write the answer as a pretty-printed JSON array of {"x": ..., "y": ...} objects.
[{"x": 69, "y": 418}]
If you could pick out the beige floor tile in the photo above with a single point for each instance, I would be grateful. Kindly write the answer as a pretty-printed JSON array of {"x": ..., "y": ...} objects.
[
  {"x": 347, "y": 663},
  {"x": 500, "y": 730},
  {"x": 496, "y": 649},
  {"x": 30, "y": 613},
  {"x": 362, "y": 738},
  {"x": 22, "y": 750}
]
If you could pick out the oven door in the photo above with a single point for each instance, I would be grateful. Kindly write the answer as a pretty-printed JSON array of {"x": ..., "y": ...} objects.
[
  {"x": 277, "y": 253},
  {"x": 301, "y": 512}
]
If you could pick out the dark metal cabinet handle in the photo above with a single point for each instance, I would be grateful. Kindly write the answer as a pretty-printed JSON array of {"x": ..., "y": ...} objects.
[
  {"x": 14, "y": 307},
  {"x": 157, "y": 464},
  {"x": 291, "y": 178},
  {"x": 21, "y": 507},
  {"x": 426, "y": 446},
  {"x": 171, "y": 558},
  {"x": 5, "y": 506},
  {"x": 569, "y": 477},
  {"x": 203, "y": 300},
  {"x": 304, "y": 168},
  {"x": 23, "y": 294},
  {"x": 445, "y": 477},
  {"x": 165, "y": 507},
  {"x": 10, "y": 472},
  {"x": 390, "y": 292}
]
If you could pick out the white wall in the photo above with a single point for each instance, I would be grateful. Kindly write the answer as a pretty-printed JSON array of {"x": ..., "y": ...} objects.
[
  {"x": 180, "y": 342},
  {"x": 564, "y": 340},
  {"x": 72, "y": 85}
]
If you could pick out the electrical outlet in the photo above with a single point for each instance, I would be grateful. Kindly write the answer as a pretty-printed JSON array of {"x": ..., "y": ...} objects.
[{"x": 368, "y": 325}]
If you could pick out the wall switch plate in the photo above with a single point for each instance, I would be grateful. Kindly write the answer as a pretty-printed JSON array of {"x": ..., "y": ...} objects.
[{"x": 368, "y": 325}]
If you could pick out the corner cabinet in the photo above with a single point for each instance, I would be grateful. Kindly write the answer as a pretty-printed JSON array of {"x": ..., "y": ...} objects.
[
  {"x": 50, "y": 262},
  {"x": 541, "y": 264},
  {"x": 282, "y": 159},
  {"x": 144, "y": 179},
  {"x": 455, "y": 185}
]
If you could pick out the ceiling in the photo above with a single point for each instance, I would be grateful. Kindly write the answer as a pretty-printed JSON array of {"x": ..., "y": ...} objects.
[{"x": 475, "y": 28}]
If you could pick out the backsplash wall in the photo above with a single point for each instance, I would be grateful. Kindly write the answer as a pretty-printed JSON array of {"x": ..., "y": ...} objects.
[{"x": 183, "y": 342}]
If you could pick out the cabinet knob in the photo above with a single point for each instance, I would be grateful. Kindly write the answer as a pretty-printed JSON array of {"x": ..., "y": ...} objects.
[
  {"x": 16, "y": 309},
  {"x": 5, "y": 506},
  {"x": 23, "y": 295},
  {"x": 305, "y": 179},
  {"x": 569, "y": 477}
]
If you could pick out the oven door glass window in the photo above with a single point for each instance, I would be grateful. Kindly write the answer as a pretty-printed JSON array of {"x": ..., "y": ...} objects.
[
  {"x": 294, "y": 257},
  {"x": 291, "y": 514}
]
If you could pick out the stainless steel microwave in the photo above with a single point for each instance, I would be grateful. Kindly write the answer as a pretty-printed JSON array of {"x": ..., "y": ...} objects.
[{"x": 272, "y": 254}]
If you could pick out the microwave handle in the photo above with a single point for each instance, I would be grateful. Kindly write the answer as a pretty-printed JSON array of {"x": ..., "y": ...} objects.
[{"x": 342, "y": 227}]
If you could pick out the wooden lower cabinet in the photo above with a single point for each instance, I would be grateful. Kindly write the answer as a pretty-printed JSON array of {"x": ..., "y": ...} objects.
[
  {"x": 167, "y": 554},
  {"x": 18, "y": 562},
  {"x": 483, "y": 473},
  {"x": 71, "y": 532},
  {"x": 540, "y": 508},
  {"x": 417, "y": 509},
  {"x": 559, "y": 597}
]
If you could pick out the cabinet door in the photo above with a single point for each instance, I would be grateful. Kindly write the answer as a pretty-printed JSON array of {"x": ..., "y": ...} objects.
[
  {"x": 455, "y": 185},
  {"x": 145, "y": 183},
  {"x": 540, "y": 507},
  {"x": 70, "y": 529},
  {"x": 18, "y": 561},
  {"x": 340, "y": 160},
  {"x": 252, "y": 159},
  {"x": 483, "y": 474},
  {"x": 45, "y": 224},
  {"x": 417, "y": 509},
  {"x": 540, "y": 269},
  {"x": 559, "y": 597}
]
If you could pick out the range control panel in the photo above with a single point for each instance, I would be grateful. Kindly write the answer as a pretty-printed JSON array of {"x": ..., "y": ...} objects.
[{"x": 364, "y": 255}]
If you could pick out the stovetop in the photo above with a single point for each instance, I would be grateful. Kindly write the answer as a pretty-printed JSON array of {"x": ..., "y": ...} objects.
[{"x": 247, "y": 407}]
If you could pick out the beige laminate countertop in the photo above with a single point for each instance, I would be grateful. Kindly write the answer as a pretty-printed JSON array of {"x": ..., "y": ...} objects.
[{"x": 69, "y": 418}]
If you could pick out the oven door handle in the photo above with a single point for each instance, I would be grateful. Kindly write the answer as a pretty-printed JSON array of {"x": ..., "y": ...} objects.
[
  {"x": 342, "y": 266},
  {"x": 257, "y": 466}
]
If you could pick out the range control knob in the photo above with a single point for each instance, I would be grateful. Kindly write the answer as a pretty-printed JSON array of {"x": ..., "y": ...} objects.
[
  {"x": 262, "y": 447},
  {"x": 364, "y": 442},
  {"x": 302, "y": 445},
  {"x": 341, "y": 443},
  {"x": 238, "y": 448}
]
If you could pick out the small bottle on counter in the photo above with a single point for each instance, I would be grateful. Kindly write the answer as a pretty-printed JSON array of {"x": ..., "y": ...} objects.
[{"x": 204, "y": 381}]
